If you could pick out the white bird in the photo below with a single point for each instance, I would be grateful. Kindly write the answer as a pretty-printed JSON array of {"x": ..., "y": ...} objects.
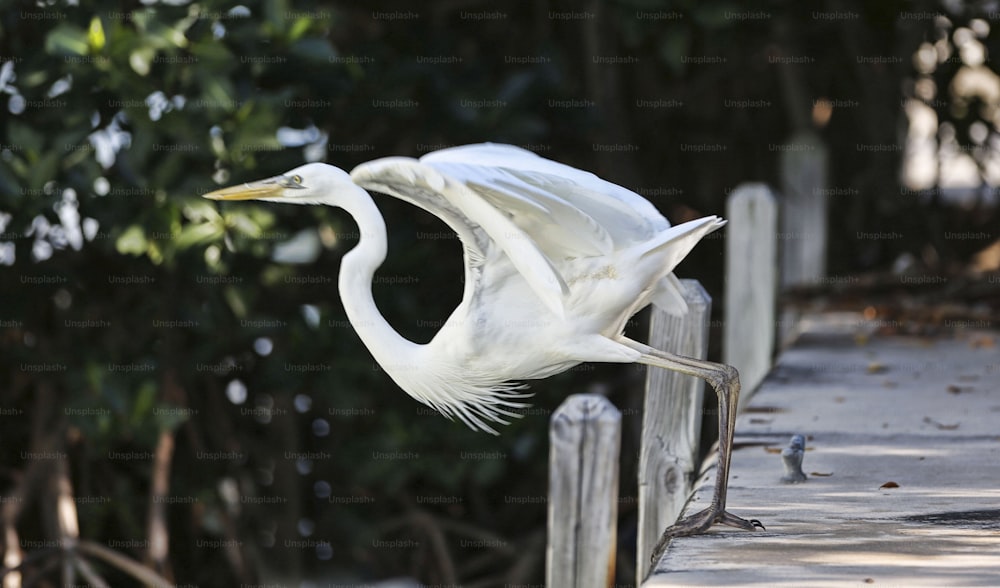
[{"x": 557, "y": 260}]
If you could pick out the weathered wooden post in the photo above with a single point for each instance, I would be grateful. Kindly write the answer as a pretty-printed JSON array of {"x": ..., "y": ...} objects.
[
  {"x": 751, "y": 282},
  {"x": 803, "y": 163},
  {"x": 671, "y": 421},
  {"x": 585, "y": 436}
]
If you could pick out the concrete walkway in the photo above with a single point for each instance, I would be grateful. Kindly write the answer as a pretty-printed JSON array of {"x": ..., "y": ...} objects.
[{"x": 902, "y": 459}]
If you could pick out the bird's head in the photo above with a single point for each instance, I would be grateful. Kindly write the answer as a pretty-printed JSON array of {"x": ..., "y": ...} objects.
[{"x": 313, "y": 183}]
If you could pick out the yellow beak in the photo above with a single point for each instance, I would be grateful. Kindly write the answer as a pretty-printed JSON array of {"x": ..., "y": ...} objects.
[{"x": 248, "y": 191}]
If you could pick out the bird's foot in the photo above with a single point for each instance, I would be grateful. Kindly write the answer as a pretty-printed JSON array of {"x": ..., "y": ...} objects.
[{"x": 700, "y": 522}]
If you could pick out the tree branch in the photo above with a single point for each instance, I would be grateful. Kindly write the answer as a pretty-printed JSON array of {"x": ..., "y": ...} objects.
[{"x": 123, "y": 563}]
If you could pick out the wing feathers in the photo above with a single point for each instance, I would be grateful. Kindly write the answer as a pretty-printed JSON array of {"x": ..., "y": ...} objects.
[
  {"x": 479, "y": 224},
  {"x": 625, "y": 215},
  {"x": 537, "y": 212},
  {"x": 521, "y": 249},
  {"x": 560, "y": 228}
]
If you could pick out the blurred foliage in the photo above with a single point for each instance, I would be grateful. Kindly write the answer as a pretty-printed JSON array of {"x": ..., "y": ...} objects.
[{"x": 135, "y": 314}]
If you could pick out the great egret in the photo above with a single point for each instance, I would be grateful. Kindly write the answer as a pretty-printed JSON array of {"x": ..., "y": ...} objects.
[{"x": 556, "y": 262}]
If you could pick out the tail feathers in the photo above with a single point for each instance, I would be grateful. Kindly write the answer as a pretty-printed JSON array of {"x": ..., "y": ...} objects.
[
  {"x": 670, "y": 247},
  {"x": 679, "y": 240}
]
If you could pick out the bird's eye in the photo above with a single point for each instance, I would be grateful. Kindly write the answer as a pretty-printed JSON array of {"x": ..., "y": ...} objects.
[{"x": 297, "y": 179}]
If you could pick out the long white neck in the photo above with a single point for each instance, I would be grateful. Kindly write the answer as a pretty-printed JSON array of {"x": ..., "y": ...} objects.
[{"x": 357, "y": 268}]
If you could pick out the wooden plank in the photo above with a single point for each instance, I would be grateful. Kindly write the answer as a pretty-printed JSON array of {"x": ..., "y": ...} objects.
[
  {"x": 671, "y": 421},
  {"x": 585, "y": 436},
  {"x": 751, "y": 279},
  {"x": 803, "y": 163},
  {"x": 926, "y": 420}
]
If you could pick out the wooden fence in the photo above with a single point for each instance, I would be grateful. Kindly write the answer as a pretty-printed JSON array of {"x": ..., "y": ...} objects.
[{"x": 585, "y": 431}]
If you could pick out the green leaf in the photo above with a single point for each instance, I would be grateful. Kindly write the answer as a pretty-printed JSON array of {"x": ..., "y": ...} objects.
[
  {"x": 32, "y": 78},
  {"x": 132, "y": 241},
  {"x": 256, "y": 132},
  {"x": 212, "y": 54},
  {"x": 44, "y": 169},
  {"x": 198, "y": 211},
  {"x": 299, "y": 28},
  {"x": 276, "y": 11},
  {"x": 155, "y": 253},
  {"x": 218, "y": 93},
  {"x": 275, "y": 275},
  {"x": 315, "y": 49},
  {"x": 26, "y": 138},
  {"x": 95, "y": 35},
  {"x": 140, "y": 60},
  {"x": 162, "y": 36},
  {"x": 67, "y": 39},
  {"x": 94, "y": 374},
  {"x": 235, "y": 300},
  {"x": 242, "y": 224},
  {"x": 193, "y": 234},
  {"x": 142, "y": 403},
  {"x": 145, "y": 18}
]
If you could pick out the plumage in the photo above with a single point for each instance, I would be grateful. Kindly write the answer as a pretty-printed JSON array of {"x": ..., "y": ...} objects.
[
  {"x": 556, "y": 262},
  {"x": 591, "y": 253}
]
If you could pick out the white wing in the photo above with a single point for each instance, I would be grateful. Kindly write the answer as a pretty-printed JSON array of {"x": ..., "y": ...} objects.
[
  {"x": 480, "y": 225},
  {"x": 569, "y": 212},
  {"x": 540, "y": 213}
]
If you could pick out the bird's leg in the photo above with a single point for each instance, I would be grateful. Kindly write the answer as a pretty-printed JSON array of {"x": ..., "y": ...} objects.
[{"x": 725, "y": 381}]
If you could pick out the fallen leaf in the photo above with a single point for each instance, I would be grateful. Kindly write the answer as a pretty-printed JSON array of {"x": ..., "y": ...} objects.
[
  {"x": 982, "y": 341},
  {"x": 869, "y": 580},
  {"x": 773, "y": 449},
  {"x": 889, "y": 485},
  {"x": 876, "y": 368},
  {"x": 953, "y": 389},
  {"x": 821, "y": 474},
  {"x": 941, "y": 426}
]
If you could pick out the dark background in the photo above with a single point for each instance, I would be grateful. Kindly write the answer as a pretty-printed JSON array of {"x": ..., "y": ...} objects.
[{"x": 164, "y": 372}]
